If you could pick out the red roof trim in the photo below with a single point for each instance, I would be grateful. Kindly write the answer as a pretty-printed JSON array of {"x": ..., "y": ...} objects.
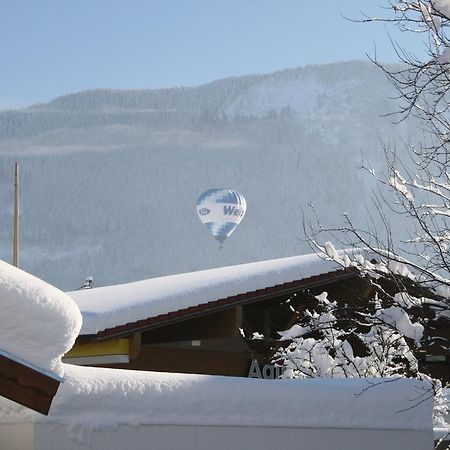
[{"x": 219, "y": 304}]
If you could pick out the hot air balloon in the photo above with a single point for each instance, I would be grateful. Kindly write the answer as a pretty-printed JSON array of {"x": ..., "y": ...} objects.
[{"x": 221, "y": 210}]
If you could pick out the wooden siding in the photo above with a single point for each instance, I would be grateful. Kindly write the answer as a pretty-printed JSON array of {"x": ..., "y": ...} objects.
[
  {"x": 26, "y": 386},
  {"x": 200, "y": 361},
  {"x": 216, "y": 325}
]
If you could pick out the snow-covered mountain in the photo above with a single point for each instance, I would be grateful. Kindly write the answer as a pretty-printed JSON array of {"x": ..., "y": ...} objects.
[{"x": 109, "y": 178}]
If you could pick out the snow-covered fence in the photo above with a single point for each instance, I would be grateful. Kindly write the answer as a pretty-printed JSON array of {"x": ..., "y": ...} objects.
[{"x": 117, "y": 409}]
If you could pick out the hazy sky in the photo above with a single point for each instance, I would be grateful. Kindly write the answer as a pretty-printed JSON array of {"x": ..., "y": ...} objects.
[{"x": 53, "y": 47}]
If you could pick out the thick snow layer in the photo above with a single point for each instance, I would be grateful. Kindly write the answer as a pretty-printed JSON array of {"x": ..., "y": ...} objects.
[
  {"x": 99, "y": 398},
  {"x": 38, "y": 322},
  {"x": 294, "y": 332},
  {"x": 399, "y": 319},
  {"x": 110, "y": 306},
  {"x": 407, "y": 301}
]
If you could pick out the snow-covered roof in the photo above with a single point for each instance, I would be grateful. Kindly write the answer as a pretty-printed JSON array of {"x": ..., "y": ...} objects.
[
  {"x": 99, "y": 398},
  {"x": 112, "y": 306}
]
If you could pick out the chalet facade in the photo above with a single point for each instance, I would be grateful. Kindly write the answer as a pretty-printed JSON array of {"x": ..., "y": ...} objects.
[{"x": 220, "y": 321}]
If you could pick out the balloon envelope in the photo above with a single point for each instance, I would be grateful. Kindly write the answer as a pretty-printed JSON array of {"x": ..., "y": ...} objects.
[{"x": 221, "y": 210}]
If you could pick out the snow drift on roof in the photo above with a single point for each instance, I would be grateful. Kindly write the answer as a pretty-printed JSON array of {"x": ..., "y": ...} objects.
[
  {"x": 99, "y": 398},
  {"x": 38, "y": 322},
  {"x": 110, "y": 306}
]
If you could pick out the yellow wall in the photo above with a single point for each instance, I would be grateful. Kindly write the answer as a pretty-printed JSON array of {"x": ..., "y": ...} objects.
[{"x": 110, "y": 347}]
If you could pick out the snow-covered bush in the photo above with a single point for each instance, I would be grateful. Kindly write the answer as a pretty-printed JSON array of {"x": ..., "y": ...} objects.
[
  {"x": 381, "y": 335},
  {"x": 335, "y": 340}
]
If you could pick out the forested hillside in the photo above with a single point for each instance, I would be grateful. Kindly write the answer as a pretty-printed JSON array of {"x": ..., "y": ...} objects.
[{"x": 109, "y": 178}]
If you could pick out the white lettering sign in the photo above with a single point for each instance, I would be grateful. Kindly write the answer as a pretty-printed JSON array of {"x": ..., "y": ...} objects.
[{"x": 268, "y": 372}]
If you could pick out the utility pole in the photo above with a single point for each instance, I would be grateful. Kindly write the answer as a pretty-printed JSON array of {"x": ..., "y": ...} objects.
[{"x": 16, "y": 217}]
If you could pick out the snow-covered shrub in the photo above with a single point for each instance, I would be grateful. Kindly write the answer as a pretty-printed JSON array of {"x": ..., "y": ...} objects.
[
  {"x": 334, "y": 339},
  {"x": 379, "y": 337}
]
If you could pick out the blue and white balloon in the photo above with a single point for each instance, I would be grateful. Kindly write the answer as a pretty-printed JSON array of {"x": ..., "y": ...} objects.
[{"x": 221, "y": 210}]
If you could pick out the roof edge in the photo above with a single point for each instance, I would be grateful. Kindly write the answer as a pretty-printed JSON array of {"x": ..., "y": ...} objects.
[{"x": 206, "y": 308}]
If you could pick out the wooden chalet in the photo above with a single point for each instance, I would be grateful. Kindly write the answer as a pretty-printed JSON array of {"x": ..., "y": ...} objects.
[{"x": 219, "y": 330}]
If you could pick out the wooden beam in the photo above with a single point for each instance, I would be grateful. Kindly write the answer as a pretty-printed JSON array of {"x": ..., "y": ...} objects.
[{"x": 29, "y": 387}]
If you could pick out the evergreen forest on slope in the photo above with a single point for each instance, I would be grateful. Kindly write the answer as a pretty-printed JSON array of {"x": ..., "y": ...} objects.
[{"x": 110, "y": 178}]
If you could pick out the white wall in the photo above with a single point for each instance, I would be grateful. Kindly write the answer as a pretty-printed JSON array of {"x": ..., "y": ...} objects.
[
  {"x": 16, "y": 436},
  {"x": 154, "y": 437}
]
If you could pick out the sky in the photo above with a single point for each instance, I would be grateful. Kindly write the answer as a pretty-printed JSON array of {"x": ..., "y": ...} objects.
[{"x": 50, "y": 48}]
